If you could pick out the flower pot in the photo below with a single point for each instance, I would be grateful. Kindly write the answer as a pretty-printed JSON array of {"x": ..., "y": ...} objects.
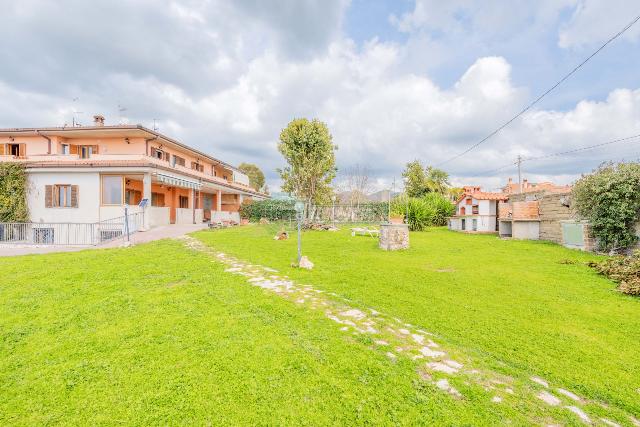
[{"x": 396, "y": 219}]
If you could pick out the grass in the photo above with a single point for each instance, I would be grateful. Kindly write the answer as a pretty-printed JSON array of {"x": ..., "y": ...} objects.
[
  {"x": 521, "y": 308},
  {"x": 160, "y": 334}
]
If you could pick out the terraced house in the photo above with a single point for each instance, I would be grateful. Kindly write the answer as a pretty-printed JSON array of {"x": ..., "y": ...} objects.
[{"x": 87, "y": 174}]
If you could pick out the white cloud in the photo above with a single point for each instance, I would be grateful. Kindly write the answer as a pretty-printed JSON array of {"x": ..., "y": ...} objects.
[
  {"x": 594, "y": 21},
  {"x": 227, "y": 77}
]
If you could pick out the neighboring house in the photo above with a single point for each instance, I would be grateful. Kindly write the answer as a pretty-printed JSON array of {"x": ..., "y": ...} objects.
[
  {"x": 476, "y": 211},
  {"x": 88, "y": 174},
  {"x": 534, "y": 187}
]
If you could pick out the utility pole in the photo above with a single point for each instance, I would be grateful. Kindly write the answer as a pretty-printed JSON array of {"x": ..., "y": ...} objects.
[{"x": 520, "y": 172}]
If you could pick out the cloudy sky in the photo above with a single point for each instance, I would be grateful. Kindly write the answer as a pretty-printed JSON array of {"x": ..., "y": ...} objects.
[{"x": 395, "y": 80}]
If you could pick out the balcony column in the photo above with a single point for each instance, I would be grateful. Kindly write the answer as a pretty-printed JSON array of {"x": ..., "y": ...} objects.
[
  {"x": 219, "y": 200},
  {"x": 146, "y": 194}
]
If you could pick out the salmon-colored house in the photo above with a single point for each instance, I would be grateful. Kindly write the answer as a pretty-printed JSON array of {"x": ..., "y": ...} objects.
[{"x": 87, "y": 174}]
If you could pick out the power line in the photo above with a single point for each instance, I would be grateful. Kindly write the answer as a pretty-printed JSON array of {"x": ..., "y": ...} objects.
[
  {"x": 558, "y": 83},
  {"x": 562, "y": 153}
]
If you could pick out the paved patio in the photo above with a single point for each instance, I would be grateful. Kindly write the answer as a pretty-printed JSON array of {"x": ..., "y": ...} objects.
[{"x": 164, "y": 232}]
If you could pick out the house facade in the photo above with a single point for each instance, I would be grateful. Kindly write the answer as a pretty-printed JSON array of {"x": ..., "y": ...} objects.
[
  {"x": 476, "y": 211},
  {"x": 89, "y": 174}
]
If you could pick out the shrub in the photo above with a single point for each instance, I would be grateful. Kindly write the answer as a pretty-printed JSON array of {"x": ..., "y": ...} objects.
[
  {"x": 427, "y": 211},
  {"x": 623, "y": 270},
  {"x": 13, "y": 193},
  {"x": 610, "y": 200},
  {"x": 273, "y": 210}
]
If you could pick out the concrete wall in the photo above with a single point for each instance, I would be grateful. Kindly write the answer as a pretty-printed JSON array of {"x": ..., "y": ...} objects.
[
  {"x": 185, "y": 216},
  {"x": 529, "y": 230},
  {"x": 157, "y": 216}
]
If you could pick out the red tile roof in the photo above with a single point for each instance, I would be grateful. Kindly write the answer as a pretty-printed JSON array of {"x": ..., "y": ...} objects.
[{"x": 481, "y": 195}]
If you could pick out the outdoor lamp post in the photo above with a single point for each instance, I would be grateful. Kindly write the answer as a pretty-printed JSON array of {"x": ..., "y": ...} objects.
[
  {"x": 406, "y": 181},
  {"x": 299, "y": 207},
  {"x": 333, "y": 210}
]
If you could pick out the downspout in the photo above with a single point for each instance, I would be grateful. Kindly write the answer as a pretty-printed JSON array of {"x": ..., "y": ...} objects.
[
  {"x": 48, "y": 141},
  {"x": 146, "y": 144}
]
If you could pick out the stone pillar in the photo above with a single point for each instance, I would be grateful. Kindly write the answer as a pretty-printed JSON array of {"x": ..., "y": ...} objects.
[
  {"x": 394, "y": 237},
  {"x": 146, "y": 194},
  {"x": 219, "y": 200}
]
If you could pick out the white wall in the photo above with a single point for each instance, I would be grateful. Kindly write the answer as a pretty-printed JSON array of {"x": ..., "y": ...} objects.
[
  {"x": 157, "y": 216},
  {"x": 88, "y": 209},
  {"x": 185, "y": 216}
]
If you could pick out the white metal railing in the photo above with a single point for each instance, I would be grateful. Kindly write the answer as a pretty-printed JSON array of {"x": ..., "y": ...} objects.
[{"x": 69, "y": 233}]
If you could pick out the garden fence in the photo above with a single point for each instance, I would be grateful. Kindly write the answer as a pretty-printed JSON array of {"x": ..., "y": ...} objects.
[{"x": 69, "y": 233}]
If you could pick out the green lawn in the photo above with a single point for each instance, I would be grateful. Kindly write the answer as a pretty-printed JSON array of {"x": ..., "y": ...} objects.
[
  {"x": 516, "y": 307},
  {"x": 160, "y": 334}
]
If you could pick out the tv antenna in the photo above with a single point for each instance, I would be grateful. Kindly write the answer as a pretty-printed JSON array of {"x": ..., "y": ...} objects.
[
  {"x": 121, "y": 110},
  {"x": 74, "y": 121}
]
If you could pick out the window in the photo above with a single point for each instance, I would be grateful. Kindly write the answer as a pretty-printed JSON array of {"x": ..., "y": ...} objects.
[
  {"x": 112, "y": 189},
  {"x": 474, "y": 225},
  {"x": 463, "y": 211},
  {"x": 468, "y": 201},
  {"x": 474, "y": 209},
  {"x": 86, "y": 151},
  {"x": 184, "y": 202},
  {"x": 43, "y": 235},
  {"x": 159, "y": 154},
  {"x": 464, "y": 224},
  {"x": 65, "y": 149},
  {"x": 61, "y": 196},
  {"x": 132, "y": 197},
  {"x": 157, "y": 199},
  {"x": 197, "y": 166}
]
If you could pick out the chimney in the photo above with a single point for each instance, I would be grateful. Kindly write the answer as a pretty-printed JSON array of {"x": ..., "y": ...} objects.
[
  {"x": 525, "y": 183},
  {"x": 510, "y": 180},
  {"x": 98, "y": 120}
]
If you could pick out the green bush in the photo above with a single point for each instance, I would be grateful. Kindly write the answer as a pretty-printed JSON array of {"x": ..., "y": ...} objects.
[
  {"x": 610, "y": 200},
  {"x": 13, "y": 193},
  {"x": 623, "y": 270},
  {"x": 273, "y": 210},
  {"x": 427, "y": 211}
]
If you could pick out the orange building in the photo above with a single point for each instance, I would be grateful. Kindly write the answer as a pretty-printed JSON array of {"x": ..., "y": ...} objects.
[{"x": 87, "y": 174}]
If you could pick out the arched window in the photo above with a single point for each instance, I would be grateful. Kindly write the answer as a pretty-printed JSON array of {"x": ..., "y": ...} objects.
[{"x": 463, "y": 211}]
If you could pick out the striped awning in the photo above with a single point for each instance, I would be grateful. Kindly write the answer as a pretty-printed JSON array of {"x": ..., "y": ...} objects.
[{"x": 178, "y": 182}]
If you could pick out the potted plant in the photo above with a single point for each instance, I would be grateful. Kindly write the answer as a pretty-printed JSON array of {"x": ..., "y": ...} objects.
[{"x": 396, "y": 219}]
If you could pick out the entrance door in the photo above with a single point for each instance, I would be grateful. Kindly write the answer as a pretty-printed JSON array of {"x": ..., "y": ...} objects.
[
  {"x": 207, "y": 205},
  {"x": 464, "y": 224}
]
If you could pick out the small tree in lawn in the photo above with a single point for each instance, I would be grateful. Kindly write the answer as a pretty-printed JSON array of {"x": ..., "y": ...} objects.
[
  {"x": 310, "y": 154},
  {"x": 256, "y": 176}
]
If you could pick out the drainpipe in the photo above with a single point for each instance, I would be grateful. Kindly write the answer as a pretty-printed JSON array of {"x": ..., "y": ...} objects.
[
  {"x": 48, "y": 141},
  {"x": 146, "y": 144},
  {"x": 193, "y": 204}
]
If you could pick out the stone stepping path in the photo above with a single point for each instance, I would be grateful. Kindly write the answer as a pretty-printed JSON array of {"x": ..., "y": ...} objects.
[{"x": 397, "y": 339}]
